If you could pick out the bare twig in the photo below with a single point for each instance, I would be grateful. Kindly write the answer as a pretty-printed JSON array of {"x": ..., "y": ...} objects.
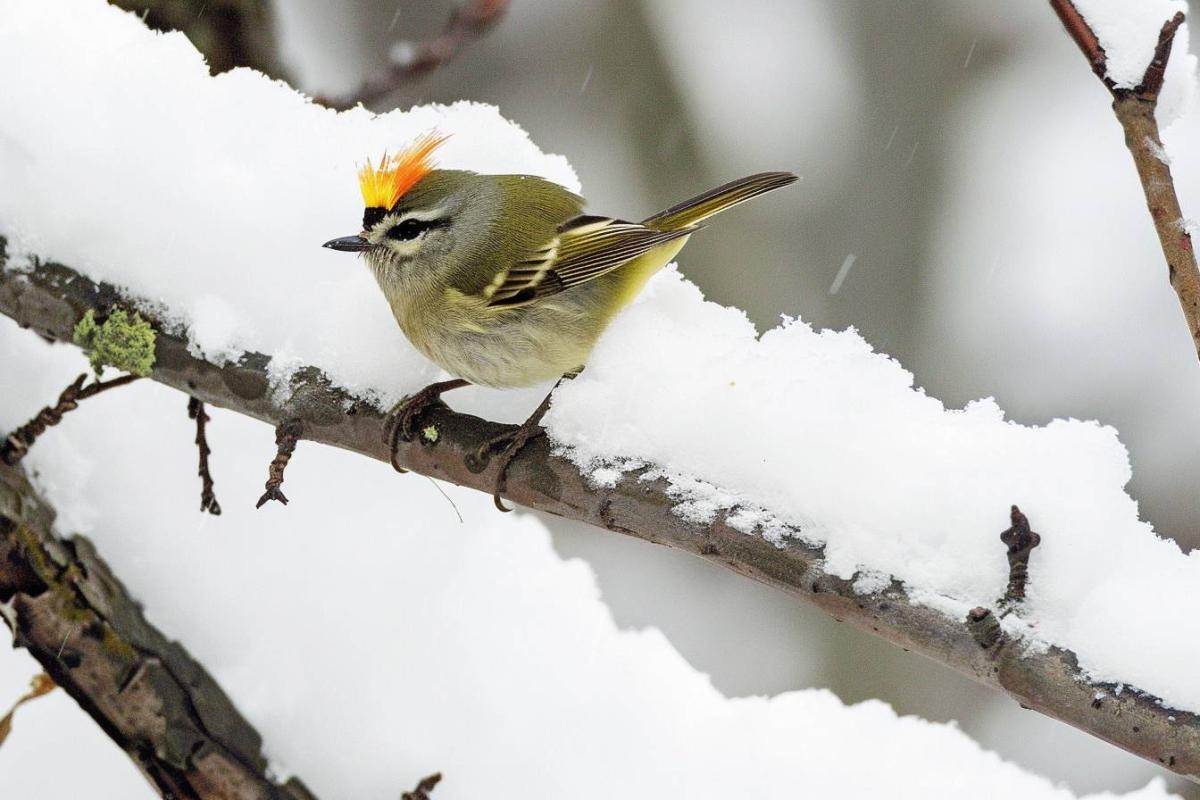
[
  {"x": 208, "y": 499},
  {"x": 19, "y": 441},
  {"x": 287, "y": 433},
  {"x": 1020, "y": 541},
  {"x": 423, "y": 788},
  {"x": 983, "y": 625},
  {"x": 412, "y": 60},
  {"x": 1135, "y": 109},
  {"x": 1084, "y": 37},
  {"x": 51, "y": 298}
]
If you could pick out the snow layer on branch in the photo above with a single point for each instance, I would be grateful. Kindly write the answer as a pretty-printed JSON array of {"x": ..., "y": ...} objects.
[
  {"x": 813, "y": 431},
  {"x": 223, "y": 188},
  {"x": 372, "y": 638},
  {"x": 211, "y": 196},
  {"x": 1128, "y": 31}
]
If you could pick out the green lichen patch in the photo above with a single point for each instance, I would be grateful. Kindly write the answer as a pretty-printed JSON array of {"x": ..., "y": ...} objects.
[
  {"x": 430, "y": 434},
  {"x": 124, "y": 341}
]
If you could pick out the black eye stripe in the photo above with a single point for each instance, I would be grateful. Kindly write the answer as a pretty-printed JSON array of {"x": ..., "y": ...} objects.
[{"x": 409, "y": 229}]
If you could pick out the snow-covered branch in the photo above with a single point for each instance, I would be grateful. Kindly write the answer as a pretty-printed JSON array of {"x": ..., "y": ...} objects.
[
  {"x": 150, "y": 696},
  {"x": 51, "y": 298},
  {"x": 1135, "y": 103}
]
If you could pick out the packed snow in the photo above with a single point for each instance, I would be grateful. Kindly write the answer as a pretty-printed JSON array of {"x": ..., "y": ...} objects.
[
  {"x": 1128, "y": 32},
  {"x": 209, "y": 197}
]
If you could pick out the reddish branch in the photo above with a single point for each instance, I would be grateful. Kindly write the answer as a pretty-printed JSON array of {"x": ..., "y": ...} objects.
[
  {"x": 1135, "y": 109},
  {"x": 412, "y": 60},
  {"x": 19, "y": 441}
]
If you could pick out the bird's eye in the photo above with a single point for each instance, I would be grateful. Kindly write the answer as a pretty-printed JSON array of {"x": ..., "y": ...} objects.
[{"x": 410, "y": 229}]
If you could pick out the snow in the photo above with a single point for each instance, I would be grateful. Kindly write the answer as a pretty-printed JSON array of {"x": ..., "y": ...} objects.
[
  {"x": 218, "y": 182},
  {"x": 387, "y": 640},
  {"x": 1128, "y": 32},
  {"x": 472, "y": 648},
  {"x": 808, "y": 433}
]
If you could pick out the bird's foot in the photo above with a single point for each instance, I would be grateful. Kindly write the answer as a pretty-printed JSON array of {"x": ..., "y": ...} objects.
[
  {"x": 505, "y": 447},
  {"x": 401, "y": 421},
  {"x": 508, "y": 445}
]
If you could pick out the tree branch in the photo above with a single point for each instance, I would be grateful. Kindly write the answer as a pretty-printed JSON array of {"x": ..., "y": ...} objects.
[
  {"x": 17, "y": 443},
  {"x": 208, "y": 498},
  {"x": 65, "y": 607},
  {"x": 1134, "y": 109},
  {"x": 410, "y": 61},
  {"x": 52, "y": 298}
]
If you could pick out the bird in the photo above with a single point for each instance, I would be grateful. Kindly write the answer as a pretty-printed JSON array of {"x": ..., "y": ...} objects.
[{"x": 502, "y": 280}]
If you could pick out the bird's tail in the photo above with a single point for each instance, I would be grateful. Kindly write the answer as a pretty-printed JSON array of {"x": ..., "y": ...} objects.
[{"x": 714, "y": 201}]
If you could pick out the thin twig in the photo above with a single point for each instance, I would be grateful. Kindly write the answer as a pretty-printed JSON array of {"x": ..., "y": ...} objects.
[
  {"x": 1152, "y": 81},
  {"x": 1020, "y": 540},
  {"x": 19, "y": 441},
  {"x": 409, "y": 60},
  {"x": 1135, "y": 110},
  {"x": 286, "y": 436},
  {"x": 423, "y": 788},
  {"x": 208, "y": 499},
  {"x": 1082, "y": 34}
]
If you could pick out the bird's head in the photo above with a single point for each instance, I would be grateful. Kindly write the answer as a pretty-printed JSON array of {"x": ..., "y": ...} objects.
[{"x": 411, "y": 211}]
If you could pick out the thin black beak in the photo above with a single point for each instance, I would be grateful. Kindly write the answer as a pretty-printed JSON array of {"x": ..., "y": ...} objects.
[{"x": 348, "y": 244}]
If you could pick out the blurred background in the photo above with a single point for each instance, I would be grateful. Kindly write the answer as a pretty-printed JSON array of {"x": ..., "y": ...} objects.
[{"x": 967, "y": 203}]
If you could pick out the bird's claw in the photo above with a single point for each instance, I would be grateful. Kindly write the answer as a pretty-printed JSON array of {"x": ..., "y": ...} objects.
[
  {"x": 400, "y": 423},
  {"x": 507, "y": 446}
]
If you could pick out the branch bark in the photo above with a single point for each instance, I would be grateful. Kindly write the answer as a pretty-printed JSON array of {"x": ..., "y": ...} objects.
[
  {"x": 65, "y": 607},
  {"x": 1135, "y": 111},
  {"x": 53, "y": 297}
]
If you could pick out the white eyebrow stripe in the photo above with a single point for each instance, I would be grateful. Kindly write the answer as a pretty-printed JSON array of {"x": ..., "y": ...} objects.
[{"x": 429, "y": 215}]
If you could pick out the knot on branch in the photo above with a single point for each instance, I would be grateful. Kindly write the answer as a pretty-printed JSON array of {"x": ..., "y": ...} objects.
[{"x": 984, "y": 627}]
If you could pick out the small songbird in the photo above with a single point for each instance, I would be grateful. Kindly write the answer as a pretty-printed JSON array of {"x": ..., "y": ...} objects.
[{"x": 500, "y": 280}]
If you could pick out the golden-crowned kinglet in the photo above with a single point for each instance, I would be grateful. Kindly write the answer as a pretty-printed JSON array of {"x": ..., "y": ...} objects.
[{"x": 500, "y": 280}]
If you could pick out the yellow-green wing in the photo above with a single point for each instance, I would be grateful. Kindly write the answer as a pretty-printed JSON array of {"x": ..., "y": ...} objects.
[{"x": 585, "y": 248}]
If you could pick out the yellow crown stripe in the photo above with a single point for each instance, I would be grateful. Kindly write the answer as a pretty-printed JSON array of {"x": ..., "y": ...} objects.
[{"x": 383, "y": 185}]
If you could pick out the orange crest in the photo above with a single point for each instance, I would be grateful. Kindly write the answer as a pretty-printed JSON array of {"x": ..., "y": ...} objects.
[{"x": 384, "y": 185}]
